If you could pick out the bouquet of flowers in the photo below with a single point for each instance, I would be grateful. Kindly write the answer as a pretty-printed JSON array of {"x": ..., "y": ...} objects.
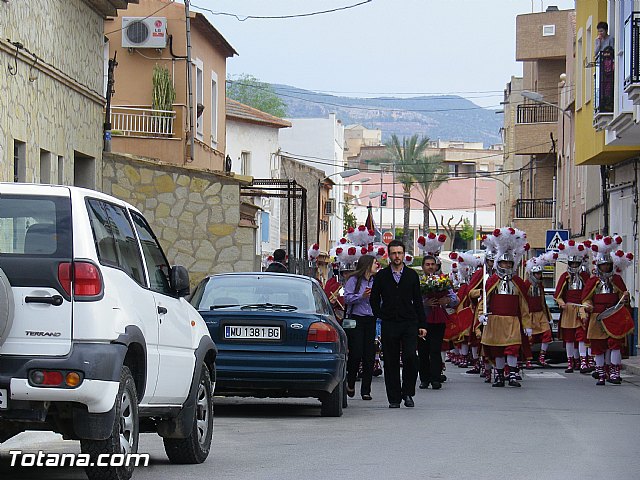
[{"x": 433, "y": 285}]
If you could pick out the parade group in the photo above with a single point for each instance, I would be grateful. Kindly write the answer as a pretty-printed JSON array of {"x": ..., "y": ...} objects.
[{"x": 490, "y": 316}]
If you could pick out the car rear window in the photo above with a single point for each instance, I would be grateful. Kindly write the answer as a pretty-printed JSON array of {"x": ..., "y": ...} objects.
[
  {"x": 243, "y": 290},
  {"x": 35, "y": 226}
]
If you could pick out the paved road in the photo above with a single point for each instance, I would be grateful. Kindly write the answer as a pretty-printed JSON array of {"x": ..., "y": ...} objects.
[{"x": 557, "y": 426}]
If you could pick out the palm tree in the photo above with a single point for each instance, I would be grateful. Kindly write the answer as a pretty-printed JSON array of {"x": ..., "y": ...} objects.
[
  {"x": 429, "y": 174},
  {"x": 406, "y": 156}
]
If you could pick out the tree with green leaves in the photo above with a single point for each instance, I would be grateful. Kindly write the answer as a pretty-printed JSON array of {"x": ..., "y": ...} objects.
[
  {"x": 414, "y": 168},
  {"x": 349, "y": 217},
  {"x": 249, "y": 90},
  {"x": 466, "y": 233}
]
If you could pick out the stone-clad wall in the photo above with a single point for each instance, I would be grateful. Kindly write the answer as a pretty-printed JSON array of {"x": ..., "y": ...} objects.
[{"x": 194, "y": 213}]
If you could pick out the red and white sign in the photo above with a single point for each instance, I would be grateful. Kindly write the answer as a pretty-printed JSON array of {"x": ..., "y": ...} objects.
[{"x": 387, "y": 237}]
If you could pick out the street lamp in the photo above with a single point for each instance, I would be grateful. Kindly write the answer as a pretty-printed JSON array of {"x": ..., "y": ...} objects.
[
  {"x": 539, "y": 98},
  {"x": 344, "y": 174},
  {"x": 378, "y": 194}
]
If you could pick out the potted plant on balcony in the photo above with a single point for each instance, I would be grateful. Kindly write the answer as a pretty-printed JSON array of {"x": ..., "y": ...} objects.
[{"x": 163, "y": 96}]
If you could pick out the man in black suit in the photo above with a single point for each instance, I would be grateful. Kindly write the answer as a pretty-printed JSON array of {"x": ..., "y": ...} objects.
[
  {"x": 278, "y": 265},
  {"x": 397, "y": 301}
]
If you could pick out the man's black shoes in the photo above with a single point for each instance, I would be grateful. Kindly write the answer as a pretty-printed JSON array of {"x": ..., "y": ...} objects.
[
  {"x": 423, "y": 385},
  {"x": 394, "y": 405},
  {"x": 436, "y": 385},
  {"x": 408, "y": 401}
]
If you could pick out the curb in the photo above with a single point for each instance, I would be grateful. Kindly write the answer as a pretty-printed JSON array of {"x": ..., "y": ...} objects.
[{"x": 631, "y": 367}]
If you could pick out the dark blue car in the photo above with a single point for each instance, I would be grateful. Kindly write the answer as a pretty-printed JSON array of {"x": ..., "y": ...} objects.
[{"x": 276, "y": 335}]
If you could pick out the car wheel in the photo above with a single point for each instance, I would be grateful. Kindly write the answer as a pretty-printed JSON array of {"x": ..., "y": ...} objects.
[
  {"x": 332, "y": 403},
  {"x": 195, "y": 448},
  {"x": 124, "y": 436},
  {"x": 6, "y": 307}
]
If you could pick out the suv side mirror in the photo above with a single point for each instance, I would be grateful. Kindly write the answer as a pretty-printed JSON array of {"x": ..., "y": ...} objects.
[{"x": 180, "y": 280}]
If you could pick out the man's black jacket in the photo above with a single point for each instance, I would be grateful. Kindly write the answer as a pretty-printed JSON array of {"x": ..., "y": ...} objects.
[
  {"x": 277, "y": 267},
  {"x": 397, "y": 302}
]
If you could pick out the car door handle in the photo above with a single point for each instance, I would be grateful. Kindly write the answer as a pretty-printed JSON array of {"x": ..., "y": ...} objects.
[
  {"x": 162, "y": 310},
  {"x": 55, "y": 300}
]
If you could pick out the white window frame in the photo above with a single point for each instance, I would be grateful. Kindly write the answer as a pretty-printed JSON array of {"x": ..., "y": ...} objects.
[
  {"x": 245, "y": 163},
  {"x": 548, "y": 30},
  {"x": 580, "y": 71},
  {"x": 199, "y": 122},
  {"x": 214, "y": 108},
  {"x": 588, "y": 79}
]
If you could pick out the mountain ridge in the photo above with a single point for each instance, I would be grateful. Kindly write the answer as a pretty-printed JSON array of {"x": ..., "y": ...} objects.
[{"x": 445, "y": 117}]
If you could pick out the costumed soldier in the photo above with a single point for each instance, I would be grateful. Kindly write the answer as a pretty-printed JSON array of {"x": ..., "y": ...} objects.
[
  {"x": 605, "y": 297},
  {"x": 478, "y": 282},
  {"x": 540, "y": 315},
  {"x": 507, "y": 307},
  {"x": 568, "y": 294}
]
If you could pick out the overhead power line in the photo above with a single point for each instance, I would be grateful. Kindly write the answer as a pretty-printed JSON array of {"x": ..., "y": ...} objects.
[
  {"x": 144, "y": 18},
  {"x": 242, "y": 18}
]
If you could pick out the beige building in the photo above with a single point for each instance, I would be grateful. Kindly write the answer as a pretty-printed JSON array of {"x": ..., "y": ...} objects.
[
  {"x": 51, "y": 52},
  {"x": 356, "y": 136},
  {"x": 165, "y": 136},
  {"x": 531, "y": 127}
]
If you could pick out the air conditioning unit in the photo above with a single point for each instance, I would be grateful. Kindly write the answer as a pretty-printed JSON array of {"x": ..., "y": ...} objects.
[
  {"x": 330, "y": 206},
  {"x": 141, "y": 32}
]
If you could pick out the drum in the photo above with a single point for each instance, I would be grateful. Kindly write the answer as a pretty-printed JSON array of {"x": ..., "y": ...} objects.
[
  {"x": 616, "y": 321},
  {"x": 452, "y": 329}
]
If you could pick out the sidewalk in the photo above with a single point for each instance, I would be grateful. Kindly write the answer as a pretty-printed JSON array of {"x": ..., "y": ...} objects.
[{"x": 632, "y": 365}]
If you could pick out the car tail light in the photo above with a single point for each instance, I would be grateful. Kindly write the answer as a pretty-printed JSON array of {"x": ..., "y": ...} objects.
[
  {"x": 46, "y": 378},
  {"x": 86, "y": 278},
  {"x": 321, "y": 332}
]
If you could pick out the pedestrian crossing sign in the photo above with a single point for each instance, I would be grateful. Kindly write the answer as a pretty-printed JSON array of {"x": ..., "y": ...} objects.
[{"x": 555, "y": 238}]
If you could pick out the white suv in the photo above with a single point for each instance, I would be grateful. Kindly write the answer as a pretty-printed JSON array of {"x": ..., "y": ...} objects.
[{"x": 96, "y": 339}]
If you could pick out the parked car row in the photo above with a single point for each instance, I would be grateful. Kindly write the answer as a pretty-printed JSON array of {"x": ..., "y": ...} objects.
[{"x": 99, "y": 343}]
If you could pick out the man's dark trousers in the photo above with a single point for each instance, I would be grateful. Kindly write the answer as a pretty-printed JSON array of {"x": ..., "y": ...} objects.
[
  {"x": 430, "y": 360},
  {"x": 396, "y": 337}
]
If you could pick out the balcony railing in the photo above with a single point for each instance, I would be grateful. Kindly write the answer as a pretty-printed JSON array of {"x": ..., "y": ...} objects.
[
  {"x": 632, "y": 49},
  {"x": 534, "y": 208},
  {"x": 536, "y": 113},
  {"x": 142, "y": 122},
  {"x": 604, "y": 81}
]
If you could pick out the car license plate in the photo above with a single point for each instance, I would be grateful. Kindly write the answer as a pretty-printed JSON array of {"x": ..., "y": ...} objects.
[
  {"x": 4, "y": 399},
  {"x": 249, "y": 332}
]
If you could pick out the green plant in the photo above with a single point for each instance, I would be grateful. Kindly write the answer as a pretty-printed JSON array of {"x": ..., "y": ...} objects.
[
  {"x": 466, "y": 233},
  {"x": 163, "y": 94},
  {"x": 349, "y": 217}
]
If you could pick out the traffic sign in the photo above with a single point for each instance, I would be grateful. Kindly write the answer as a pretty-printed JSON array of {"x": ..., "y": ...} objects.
[
  {"x": 555, "y": 238},
  {"x": 387, "y": 237}
]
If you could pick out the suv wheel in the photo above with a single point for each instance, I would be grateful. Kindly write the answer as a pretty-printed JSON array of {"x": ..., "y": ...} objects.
[
  {"x": 332, "y": 403},
  {"x": 6, "y": 307},
  {"x": 195, "y": 448},
  {"x": 124, "y": 437}
]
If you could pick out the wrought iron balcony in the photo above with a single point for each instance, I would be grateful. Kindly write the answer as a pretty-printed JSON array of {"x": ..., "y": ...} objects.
[
  {"x": 142, "y": 122},
  {"x": 604, "y": 82},
  {"x": 534, "y": 208},
  {"x": 536, "y": 113},
  {"x": 632, "y": 56}
]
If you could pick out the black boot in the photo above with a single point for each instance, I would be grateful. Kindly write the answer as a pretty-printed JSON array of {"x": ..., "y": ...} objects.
[
  {"x": 513, "y": 379},
  {"x": 499, "y": 380}
]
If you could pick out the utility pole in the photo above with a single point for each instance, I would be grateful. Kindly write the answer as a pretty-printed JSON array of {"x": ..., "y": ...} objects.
[
  {"x": 475, "y": 212},
  {"x": 393, "y": 201}
]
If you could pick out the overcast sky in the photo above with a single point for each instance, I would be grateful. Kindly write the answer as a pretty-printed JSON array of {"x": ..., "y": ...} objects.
[{"x": 384, "y": 47}]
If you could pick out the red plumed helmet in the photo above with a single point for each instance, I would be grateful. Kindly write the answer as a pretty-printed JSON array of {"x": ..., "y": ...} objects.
[
  {"x": 620, "y": 253},
  {"x": 442, "y": 238},
  {"x": 608, "y": 240},
  {"x": 315, "y": 247},
  {"x": 453, "y": 255},
  {"x": 512, "y": 230},
  {"x": 561, "y": 246},
  {"x": 454, "y": 265},
  {"x": 362, "y": 228},
  {"x": 364, "y": 250},
  {"x": 351, "y": 230},
  {"x": 555, "y": 256},
  {"x": 618, "y": 240},
  {"x": 431, "y": 235},
  {"x": 339, "y": 251},
  {"x": 422, "y": 240},
  {"x": 343, "y": 240},
  {"x": 630, "y": 256},
  {"x": 594, "y": 248},
  {"x": 587, "y": 243},
  {"x": 270, "y": 258},
  {"x": 371, "y": 232},
  {"x": 461, "y": 260},
  {"x": 380, "y": 250},
  {"x": 351, "y": 251},
  {"x": 599, "y": 237},
  {"x": 527, "y": 247},
  {"x": 370, "y": 248},
  {"x": 572, "y": 243},
  {"x": 581, "y": 248},
  {"x": 496, "y": 232},
  {"x": 408, "y": 258},
  {"x": 484, "y": 237}
]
